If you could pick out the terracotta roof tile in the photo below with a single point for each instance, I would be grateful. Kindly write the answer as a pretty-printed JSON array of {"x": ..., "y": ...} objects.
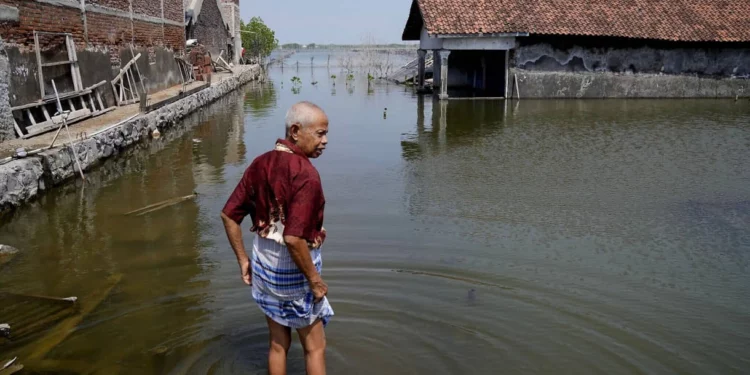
[{"x": 678, "y": 20}]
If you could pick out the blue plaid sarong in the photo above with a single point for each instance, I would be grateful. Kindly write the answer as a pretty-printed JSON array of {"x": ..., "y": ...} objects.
[{"x": 281, "y": 290}]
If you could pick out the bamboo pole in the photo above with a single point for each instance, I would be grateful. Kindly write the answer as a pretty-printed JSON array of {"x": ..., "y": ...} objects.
[{"x": 160, "y": 205}]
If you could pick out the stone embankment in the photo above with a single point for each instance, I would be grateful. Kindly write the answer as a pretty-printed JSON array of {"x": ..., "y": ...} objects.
[{"x": 21, "y": 180}]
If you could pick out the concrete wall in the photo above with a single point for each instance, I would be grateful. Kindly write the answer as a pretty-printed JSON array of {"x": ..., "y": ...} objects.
[
  {"x": 6, "y": 120},
  {"x": 230, "y": 10},
  {"x": 599, "y": 67},
  {"x": 534, "y": 84},
  {"x": 715, "y": 62}
]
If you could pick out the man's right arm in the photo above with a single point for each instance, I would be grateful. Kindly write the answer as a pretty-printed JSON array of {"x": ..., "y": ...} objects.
[{"x": 300, "y": 253}]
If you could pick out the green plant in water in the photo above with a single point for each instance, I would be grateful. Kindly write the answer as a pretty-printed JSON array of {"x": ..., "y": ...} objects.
[
  {"x": 333, "y": 76},
  {"x": 350, "y": 77},
  {"x": 295, "y": 80},
  {"x": 370, "y": 77}
]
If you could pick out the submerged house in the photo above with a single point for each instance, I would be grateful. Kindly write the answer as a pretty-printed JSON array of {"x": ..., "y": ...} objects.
[{"x": 583, "y": 49}]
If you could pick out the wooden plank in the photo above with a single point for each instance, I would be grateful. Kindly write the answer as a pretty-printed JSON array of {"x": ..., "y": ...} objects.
[
  {"x": 125, "y": 68},
  {"x": 118, "y": 94},
  {"x": 131, "y": 83},
  {"x": 103, "y": 111},
  {"x": 50, "y": 125},
  {"x": 31, "y": 117},
  {"x": 18, "y": 128},
  {"x": 45, "y": 65},
  {"x": 96, "y": 86},
  {"x": 39, "y": 64},
  {"x": 46, "y": 113},
  {"x": 91, "y": 101},
  {"x": 137, "y": 69},
  {"x": 75, "y": 70},
  {"x": 99, "y": 99},
  {"x": 160, "y": 205}
]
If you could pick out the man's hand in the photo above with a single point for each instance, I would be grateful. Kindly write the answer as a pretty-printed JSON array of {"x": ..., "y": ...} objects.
[
  {"x": 300, "y": 253},
  {"x": 234, "y": 234},
  {"x": 319, "y": 289},
  {"x": 246, "y": 272}
]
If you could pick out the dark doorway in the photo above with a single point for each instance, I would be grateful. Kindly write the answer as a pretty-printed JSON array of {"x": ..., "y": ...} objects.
[{"x": 476, "y": 73}]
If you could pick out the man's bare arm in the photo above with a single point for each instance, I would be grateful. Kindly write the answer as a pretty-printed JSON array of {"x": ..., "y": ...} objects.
[
  {"x": 234, "y": 234},
  {"x": 300, "y": 253}
]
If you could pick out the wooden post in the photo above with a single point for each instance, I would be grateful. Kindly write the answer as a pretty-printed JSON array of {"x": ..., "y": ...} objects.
[
  {"x": 420, "y": 68},
  {"x": 39, "y": 65},
  {"x": 137, "y": 69}
]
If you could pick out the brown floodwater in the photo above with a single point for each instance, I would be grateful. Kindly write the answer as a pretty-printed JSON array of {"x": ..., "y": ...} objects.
[{"x": 465, "y": 237}]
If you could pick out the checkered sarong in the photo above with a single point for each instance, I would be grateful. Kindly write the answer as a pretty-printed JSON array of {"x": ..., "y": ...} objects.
[{"x": 281, "y": 290}]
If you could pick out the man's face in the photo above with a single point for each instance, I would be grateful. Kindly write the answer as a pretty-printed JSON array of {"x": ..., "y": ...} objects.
[{"x": 312, "y": 139}]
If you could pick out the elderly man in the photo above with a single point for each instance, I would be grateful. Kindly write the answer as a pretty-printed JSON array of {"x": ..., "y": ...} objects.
[{"x": 282, "y": 192}]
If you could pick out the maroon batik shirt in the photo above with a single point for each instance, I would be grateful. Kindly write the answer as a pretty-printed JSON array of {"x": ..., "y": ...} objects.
[{"x": 282, "y": 193}]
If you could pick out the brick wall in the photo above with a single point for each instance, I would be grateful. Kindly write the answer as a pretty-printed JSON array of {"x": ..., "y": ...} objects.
[
  {"x": 174, "y": 11},
  {"x": 36, "y": 16},
  {"x": 174, "y": 37},
  {"x": 109, "y": 30},
  {"x": 147, "y": 7},
  {"x": 123, "y": 5}
]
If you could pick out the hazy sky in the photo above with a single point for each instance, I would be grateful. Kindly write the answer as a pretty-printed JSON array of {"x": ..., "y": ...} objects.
[{"x": 330, "y": 21}]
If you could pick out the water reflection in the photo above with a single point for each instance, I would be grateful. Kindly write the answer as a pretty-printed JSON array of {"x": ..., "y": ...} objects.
[
  {"x": 158, "y": 303},
  {"x": 261, "y": 99}
]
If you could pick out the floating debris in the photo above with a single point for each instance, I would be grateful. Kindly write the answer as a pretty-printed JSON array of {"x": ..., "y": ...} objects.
[
  {"x": 158, "y": 206},
  {"x": 9, "y": 367},
  {"x": 5, "y": 330},
  {"x": 156, "y": 133},
  {"x": 196, "y": 140},
  {"x": 61, "y": 331},
  {"x": 7, "y": 253},
  {"x": 7, "y": 364}
]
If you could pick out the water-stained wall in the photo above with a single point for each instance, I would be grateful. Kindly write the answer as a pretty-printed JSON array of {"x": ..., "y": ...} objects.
[{"x": 548, "y": 66}]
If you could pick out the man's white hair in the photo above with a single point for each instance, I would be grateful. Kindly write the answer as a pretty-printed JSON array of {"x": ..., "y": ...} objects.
[{"x": 302, "y": 113}]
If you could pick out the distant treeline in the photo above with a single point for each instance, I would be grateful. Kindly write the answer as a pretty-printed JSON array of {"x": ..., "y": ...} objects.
[{"x": 297, "y": 46}]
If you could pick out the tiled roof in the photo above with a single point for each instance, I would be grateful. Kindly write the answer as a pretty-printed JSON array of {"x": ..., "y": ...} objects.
[{"x": 677, "y": 20}]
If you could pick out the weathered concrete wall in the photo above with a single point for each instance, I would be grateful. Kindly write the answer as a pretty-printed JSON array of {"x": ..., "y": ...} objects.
[
  {"x": 7, "y": 131},
  {"x": 604, "y": 67},
  {"x": 230, "y": 10},
  {"x": 160, "y": 73},
  {"x": 534, "y": 84},
  {"x": 715, "y": 62},
  {"x": 25, "y": 179},
  {"x": 210, "y": 29}
]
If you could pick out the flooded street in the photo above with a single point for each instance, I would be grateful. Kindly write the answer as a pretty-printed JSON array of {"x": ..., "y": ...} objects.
[{"x": 464, "y": 237}]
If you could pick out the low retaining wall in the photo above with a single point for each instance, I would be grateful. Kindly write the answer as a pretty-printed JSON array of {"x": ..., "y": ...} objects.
[
  {"x": 533, "y": 84},
  {"x": 24, "y": 179}
]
